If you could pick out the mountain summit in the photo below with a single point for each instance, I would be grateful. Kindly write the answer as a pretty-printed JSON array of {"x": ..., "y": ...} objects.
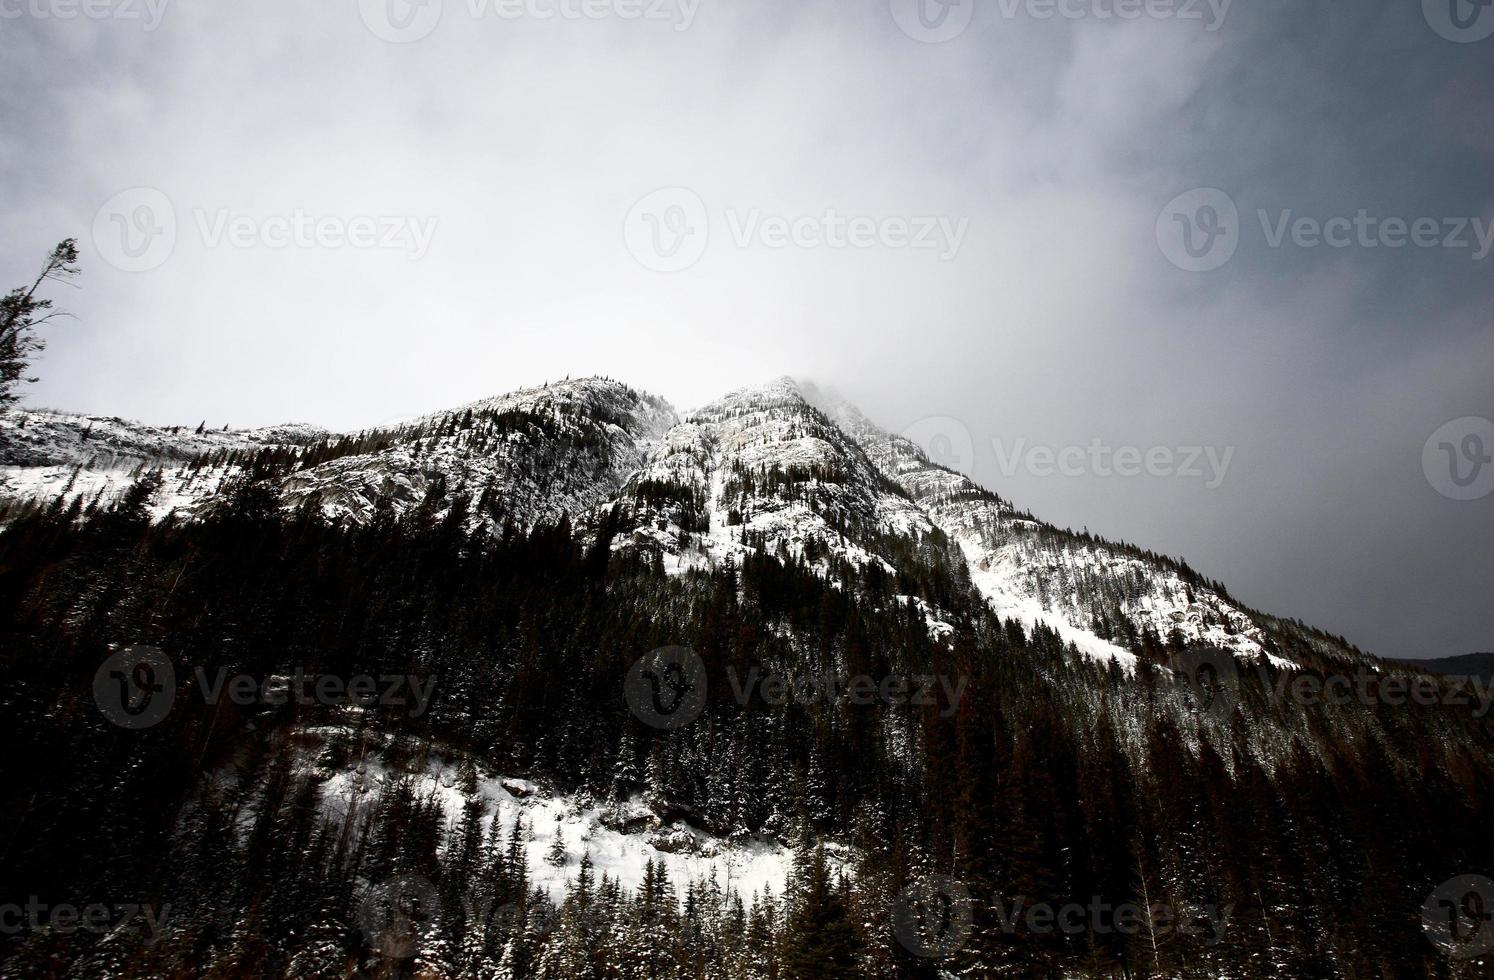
[{"x": 784, "y": 468}]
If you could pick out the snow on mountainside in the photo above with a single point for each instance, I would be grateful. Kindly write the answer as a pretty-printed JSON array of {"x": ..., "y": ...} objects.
[
  {"x": 30, "y": 439},
  {"x": 1099, "y": 596},
  {"x": 620, "y": 836},
  {"x": 761, "y": 468},
  {"x": 781, "y": 468},
  {"x": 528, "y": 456},
  {"x": 44, "y": 454}
]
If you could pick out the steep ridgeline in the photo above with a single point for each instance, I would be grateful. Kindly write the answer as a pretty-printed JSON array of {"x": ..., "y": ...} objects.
[
  {"x": 1103, "y": 597},
  {"x": 529, "y": 456},
  {"x": 47, "y": 454},
  {"x": 781, "y": 469},
  {"x": 763, "y": 470},
  {"x": 37, "y": 439}
]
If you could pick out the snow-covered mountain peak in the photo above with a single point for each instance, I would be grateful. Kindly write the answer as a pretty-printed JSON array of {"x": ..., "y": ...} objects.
[
  {"x": 785, "y": 468},
  {"x": 581, "y": 393},
  {"x": 762, "y": 469},
  {"x": 781, "y": 392}
]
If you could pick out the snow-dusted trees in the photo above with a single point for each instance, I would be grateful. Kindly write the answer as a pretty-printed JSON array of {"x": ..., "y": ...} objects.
[{"x": 1051, "y": 779}]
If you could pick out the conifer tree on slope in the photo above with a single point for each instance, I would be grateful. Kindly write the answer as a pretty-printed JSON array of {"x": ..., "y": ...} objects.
[
  {"x": 22, "y": 311},
  {"x": 821, "y": 940}
]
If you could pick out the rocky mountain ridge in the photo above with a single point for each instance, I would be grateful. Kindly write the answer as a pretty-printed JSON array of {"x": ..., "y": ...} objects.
[{"x": 784, "y": 468}]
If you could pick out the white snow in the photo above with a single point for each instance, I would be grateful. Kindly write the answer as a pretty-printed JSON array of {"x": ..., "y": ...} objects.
[
  {"x": 595, "y": 443},
  {"x": 1031, "y": 576},
  {"x": 745, "y": 867}
]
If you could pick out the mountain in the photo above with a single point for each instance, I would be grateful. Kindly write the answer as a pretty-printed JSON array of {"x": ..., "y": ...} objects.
[
  {"x": 46, "y": 454},
  {"x": 1099, "y": 596},
  {"x": 783, "y": 467},
  {"x": 758, "y": 690},
  {"x": 763, "y": 470},
  {"x": 787, "y": 468},
  {"x": 34, "y": 439},
  {"x": 538, "y": 452},
  {"x": 1479, "y": 665},
  {"x": 526, "y": 457}
]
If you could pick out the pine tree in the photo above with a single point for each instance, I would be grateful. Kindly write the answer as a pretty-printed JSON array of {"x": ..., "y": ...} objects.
[
  {"x": 820, "y": 941},
  {"x": 556, "y": 856},
  {"x": 22, "y": 311}
]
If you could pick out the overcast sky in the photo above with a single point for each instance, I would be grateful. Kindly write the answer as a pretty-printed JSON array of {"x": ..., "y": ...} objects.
[{"x": 347, "y": 211}]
